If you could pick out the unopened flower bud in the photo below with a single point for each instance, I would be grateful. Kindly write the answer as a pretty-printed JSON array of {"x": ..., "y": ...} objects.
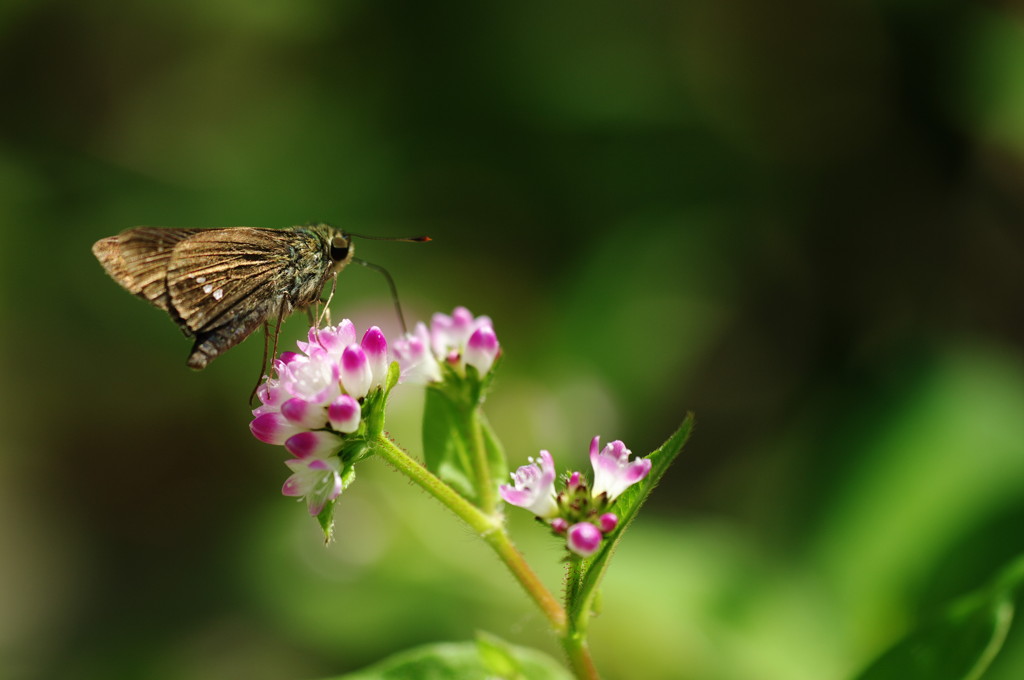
[
  {"x": 344, "y": 413},
  {"x": 482, "y": 349},
  {"x": 319, "y": 444},
  {"x": 375, "y": 345},
  {"x": 356, "y": 375},
  {"x": 584, "y": 539}
]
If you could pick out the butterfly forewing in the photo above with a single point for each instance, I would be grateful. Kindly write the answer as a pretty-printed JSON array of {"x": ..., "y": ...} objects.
[{"x": 220, "y": 274}]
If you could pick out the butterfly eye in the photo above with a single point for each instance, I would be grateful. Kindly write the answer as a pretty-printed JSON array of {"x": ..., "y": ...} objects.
[{"x": 339, "y": 248}]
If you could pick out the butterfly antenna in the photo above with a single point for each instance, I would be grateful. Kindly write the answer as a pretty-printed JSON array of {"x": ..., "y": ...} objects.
[
  {"x": 404, "y": 239},
  {"x": 391, "y": 285}
]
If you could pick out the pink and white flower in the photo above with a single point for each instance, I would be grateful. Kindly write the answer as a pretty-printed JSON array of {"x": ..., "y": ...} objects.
[
  {"x": 332, "y": 339},
  {"x": 613, "y": 471},
  {"x": 315, "y": 400},
  {"x": 533, "y": 487},
  {"x": 312, "y": 377},
  {"x": 318, "y": 480},
  {"x": 457, "y": 341},
  {"x": 578, "y": 512},
  {"x": 419, "y": 365}
]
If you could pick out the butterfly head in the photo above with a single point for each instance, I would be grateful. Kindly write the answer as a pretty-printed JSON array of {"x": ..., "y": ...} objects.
[
  {"x": 337, "y": 245},
  {"x": 340, "y": 248}
]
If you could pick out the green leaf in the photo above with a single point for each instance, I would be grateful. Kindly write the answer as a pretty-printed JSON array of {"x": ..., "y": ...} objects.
[
  {"x": 489, "y": 657},
  {"x": 497, "y": 656},
  {"x": 626, "y": 507},
  {"x": 957, "y": 646},
  {"x": 394, "y": 373},
  {"x": 446, "y": 446},
  {"x": 326, "y": 521},
  {"x": 326, "y": 517}
]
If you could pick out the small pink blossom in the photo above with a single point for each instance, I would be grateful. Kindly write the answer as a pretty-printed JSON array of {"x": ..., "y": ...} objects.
[
  {"x": 271, "y": 396},
  {"x": 533, "y": 487},
  {"x": 457, "y": 341},
  {"x": 613, "y": 471},
  {"x": 312, "y": 377},
  {"x": 318, "y": 480},
  {"x": 418, "y": 363},
  {"x": 315, "y": 400},
  {"x": 451, "y": 333},
  {"x": 332, "y": 339},
  {"x": 577, "y": 511}
]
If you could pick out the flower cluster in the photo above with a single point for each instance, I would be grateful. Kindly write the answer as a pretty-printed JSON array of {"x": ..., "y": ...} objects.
[
  {"x": 315, "y": 400},
  {"x": 577, "y": 511},
  {"x": 451, "y": 343}
]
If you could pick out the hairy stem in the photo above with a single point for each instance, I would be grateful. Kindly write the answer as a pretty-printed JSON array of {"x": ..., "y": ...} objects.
[
  {"x": 489, "y": 527},
  {"x": 481, "y": 465},
  {"x": 578, "y": 652}
]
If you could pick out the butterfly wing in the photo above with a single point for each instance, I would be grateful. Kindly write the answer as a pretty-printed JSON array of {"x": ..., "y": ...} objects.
[
  {"x": 138, "y": 258},
  {"x": 219, "y": 275}
]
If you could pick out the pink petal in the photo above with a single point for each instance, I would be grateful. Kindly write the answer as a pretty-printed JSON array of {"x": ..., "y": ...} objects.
[
  {"x": 517, "y": 497},
  {"x": 292, "y": 486}
]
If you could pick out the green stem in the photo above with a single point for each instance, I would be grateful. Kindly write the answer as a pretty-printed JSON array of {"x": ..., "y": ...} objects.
[
  {"x": 516, "y": 563},
  {"x": 578, "y": 652},
  {"x": 490, "y": 528},
  {"x": 574, "y": 571},
  {"x": 574, "y": 640},
  {"x": 481, "y": 465}
]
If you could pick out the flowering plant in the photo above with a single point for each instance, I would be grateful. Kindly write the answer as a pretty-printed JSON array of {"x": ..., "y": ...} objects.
[{"x": 326, "y": 405}]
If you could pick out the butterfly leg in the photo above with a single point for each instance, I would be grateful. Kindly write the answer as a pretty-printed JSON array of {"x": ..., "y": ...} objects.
[
  {"x": 282, "y": 311},
  {"x": 264, "y": 369},
  {"x": 326, "y": 313}
]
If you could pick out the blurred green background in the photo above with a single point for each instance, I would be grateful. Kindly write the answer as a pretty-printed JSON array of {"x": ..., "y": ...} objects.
[{"x": 802, "y": 221}]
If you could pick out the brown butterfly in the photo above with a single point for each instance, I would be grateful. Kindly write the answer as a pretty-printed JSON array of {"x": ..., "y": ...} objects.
[{"x": 220, "y": 285}]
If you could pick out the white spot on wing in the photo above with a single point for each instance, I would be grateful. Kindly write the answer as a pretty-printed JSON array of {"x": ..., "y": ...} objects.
[
  {"x": 208, "y": 288},
  {"x": 218, "y": 294},
  {"x": 200, "y": 279}
]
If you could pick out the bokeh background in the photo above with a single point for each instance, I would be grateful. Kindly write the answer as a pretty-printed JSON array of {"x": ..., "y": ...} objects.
[{"x": 803, "y": 221}]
